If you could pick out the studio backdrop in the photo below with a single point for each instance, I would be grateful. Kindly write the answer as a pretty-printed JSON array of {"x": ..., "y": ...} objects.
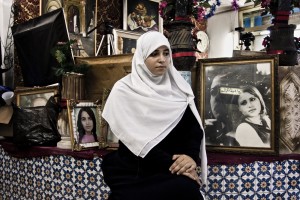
[{"x": 34, "y": 40}]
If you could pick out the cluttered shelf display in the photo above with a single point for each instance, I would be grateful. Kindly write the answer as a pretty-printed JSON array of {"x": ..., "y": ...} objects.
[
  {"x": 257, "y": 23},
  {"x": 251, "y": 18}
]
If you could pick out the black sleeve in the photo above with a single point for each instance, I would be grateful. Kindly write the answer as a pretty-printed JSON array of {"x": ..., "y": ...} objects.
[{"x": 158, "y": 159}]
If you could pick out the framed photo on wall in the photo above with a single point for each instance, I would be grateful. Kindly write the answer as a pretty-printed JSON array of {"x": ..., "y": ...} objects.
[
  {"x": 125, "y": 41},
  {"x": 237, "y": 100},
  {"x": 35, "y": 96},
  {"x": 80, "y": 20},
  {"x": 142, "y": 16},
  {"x": 84, "y": 120}
]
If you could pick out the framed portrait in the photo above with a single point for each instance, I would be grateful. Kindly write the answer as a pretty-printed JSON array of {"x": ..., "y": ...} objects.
[
  {"x": 104, "y": 72},
  {"x": 125, "y": 41},
  {"x": 35, "y": 96},
  {"x": 84, "y": 120},
  {"x": 237, "y": 98},
  {"x": 81, "y": 19},
  {"x": 108, "y": 139},
  {"x": 142, "y": 16}
]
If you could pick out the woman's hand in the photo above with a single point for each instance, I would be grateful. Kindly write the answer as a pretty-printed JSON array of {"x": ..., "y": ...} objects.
[{"x": 184, "y": 165}]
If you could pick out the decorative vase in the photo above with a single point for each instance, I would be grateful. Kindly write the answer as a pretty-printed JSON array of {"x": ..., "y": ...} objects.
[
  {"x": 280, "y": 9},
  {"x": 282, "y": 34},
  {"x": 182, "y": 45},
  {"x": 73, "y": 86},
  {"x": 179, "y": 34},
  {"x": 282, "y": 43}
]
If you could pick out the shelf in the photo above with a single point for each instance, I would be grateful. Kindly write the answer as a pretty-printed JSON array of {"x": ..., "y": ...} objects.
[{"x": 249, "y": 16}]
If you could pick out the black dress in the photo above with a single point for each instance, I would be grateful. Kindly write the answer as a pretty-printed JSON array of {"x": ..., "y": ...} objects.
[
  {"x": 134, "y": 178},
  {"x": 262, "y": 131}
]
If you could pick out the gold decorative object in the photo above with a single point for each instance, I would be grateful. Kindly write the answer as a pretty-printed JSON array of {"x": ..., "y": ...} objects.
[{"x": 73, "y": 86}]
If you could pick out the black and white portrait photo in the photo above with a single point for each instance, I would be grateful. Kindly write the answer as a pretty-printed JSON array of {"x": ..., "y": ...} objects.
[{"x": 238, "y": 104}]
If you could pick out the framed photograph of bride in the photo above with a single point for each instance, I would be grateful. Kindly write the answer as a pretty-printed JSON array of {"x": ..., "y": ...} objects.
[{"x": 238, "y": 99}]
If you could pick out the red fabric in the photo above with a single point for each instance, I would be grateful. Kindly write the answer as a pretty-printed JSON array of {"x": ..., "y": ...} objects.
[
  {"x": 234, "y": 159},
  {"x": 281, "y": 17},
  {"x": 183, "y": 18},
  {"x": 213, "y": 158},
  {"x": 275, "y": 51},
  {"x": 282, "y": 12},
  {"x": 181, "y": 54},
  {"x": 39, "y": 151}
]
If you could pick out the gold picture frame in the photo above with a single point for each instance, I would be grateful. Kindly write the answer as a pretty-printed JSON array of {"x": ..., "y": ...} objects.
[
  {"x": 146, "y": 11},
  {"x": 108, "y": 139},
  {"x": 103, "y": 72},
  {"x": 77, "y": 15},
  {"x": 125, "y": 41},
  {"x": 83, "y": 116},
  {"x": 221, "y": 87},
  {"x": 35, "y": 96}
]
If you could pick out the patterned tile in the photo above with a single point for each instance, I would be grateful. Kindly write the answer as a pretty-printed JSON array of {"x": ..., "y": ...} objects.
[{"x": 64, "y": 177}]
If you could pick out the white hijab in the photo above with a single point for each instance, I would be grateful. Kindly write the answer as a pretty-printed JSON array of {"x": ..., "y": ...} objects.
[{"x": 142, "y": 108}]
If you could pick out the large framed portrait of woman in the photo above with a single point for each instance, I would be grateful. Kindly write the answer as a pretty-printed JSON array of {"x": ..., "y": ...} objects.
[{"x": 237, "y": 100}]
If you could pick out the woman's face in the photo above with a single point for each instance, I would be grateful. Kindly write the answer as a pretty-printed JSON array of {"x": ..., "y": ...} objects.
[
  {"x": 86, "y": 122},
  {"x": 158, "y": 61},
  {"x": 249, "y": 105}
]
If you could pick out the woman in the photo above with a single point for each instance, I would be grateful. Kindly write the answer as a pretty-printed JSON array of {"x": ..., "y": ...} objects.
[
  {"x": 152, "y": 113},
  {"x": 86, "y": 125},
  {"x": 255, "y": 129}
]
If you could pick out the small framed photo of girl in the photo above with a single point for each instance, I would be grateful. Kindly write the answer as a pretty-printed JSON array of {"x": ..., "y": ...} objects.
[{"x": 84, "y": 121}]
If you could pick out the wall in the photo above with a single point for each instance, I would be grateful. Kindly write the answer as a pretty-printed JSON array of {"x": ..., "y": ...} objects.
[
  {"x": 223, "y": 36},
  {"x": 220, "y": 29}
]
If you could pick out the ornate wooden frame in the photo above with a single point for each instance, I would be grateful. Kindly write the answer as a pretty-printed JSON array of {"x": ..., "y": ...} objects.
[{"x": 258, "y": 71}]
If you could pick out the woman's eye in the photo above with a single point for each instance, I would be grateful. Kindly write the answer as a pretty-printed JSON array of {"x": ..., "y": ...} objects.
[
  {"x": 166, "y": 53},
  {"x": 153, "y": 54},
  {"x": 252, "y": 99},
  {"x": 243, "y": 103}
]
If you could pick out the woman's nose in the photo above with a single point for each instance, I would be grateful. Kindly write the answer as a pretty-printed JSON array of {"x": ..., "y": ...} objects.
[
  {"x": 162, "y": 58},
  {"x": 250, "y": 104}
]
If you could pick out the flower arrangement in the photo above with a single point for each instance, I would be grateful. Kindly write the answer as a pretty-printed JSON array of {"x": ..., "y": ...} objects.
[
  {"x": 171, "y": 10},
  {"x": 203, "y": 9}
]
